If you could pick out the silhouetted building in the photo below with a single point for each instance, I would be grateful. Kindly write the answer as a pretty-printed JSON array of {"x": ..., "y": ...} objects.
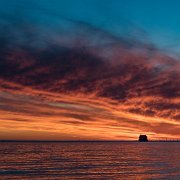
[{"x": 143, "y": 138}]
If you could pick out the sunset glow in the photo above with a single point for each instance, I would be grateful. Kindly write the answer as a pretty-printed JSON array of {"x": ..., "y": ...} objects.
[{"x": 68, "y": 79}]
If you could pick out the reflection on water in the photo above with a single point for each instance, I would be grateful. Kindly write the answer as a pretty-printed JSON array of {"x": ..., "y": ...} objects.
[{"x": 89, "y": 160}]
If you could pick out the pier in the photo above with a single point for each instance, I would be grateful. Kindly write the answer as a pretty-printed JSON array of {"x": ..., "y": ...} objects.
[{"x": 144, "y": 138}]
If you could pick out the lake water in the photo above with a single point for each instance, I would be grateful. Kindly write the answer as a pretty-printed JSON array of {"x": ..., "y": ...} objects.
[{"x": 89, "y": 160}]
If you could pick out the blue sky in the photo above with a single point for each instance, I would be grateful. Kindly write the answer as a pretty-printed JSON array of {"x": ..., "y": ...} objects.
[
  {"x": 155, "y": 20},
  {"x": 158, "y": 19}
]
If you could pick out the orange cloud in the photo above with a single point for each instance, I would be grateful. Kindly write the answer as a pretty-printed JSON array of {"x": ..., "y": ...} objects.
[{"x": 116, "y": 89}]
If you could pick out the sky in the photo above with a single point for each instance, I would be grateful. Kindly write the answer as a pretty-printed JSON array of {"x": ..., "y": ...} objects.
[{"x": 89, "y": 69}]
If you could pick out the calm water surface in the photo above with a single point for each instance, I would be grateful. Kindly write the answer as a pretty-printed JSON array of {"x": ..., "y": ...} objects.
[{"x": 89, "y": 160}]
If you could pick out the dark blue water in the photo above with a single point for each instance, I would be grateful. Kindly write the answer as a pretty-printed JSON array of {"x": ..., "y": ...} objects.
[{"x": 89, "y": 160}]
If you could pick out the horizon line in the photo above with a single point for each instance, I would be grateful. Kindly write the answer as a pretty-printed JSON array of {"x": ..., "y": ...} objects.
[{"x": 170, "y": 140}]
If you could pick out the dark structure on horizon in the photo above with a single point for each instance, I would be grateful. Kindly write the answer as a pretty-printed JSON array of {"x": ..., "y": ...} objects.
[{"x": 143, "y": 138}]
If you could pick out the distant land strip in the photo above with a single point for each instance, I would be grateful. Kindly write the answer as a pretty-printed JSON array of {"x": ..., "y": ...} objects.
[{"x": 76, "y": 141}]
